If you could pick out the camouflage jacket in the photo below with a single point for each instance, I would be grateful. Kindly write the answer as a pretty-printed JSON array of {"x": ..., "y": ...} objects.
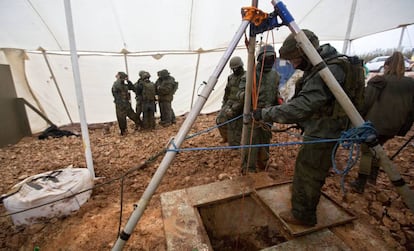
[
  {"x": 267, "y": 85},
  {"x": 165, "y": 88},
  {"x": 120, "y": 91},
  {"x": 137, "y": 88},
  {"x": 311, "y": 107},
  {"x": 230, "y": 98}
]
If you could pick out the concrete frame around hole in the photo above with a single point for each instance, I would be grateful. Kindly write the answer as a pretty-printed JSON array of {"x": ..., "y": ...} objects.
[{"x": 184, "y": 228}]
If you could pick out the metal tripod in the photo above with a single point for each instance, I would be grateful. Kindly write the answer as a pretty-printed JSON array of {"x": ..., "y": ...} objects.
[{"x": 325, "y": 73}]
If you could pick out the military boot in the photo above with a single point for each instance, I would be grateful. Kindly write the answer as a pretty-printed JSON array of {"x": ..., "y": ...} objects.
[
  {"x": 359, "y": 184},
  {"x": 372, "y": 178}
]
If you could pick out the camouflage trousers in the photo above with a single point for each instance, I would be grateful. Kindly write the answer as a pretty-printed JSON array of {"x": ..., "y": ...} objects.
[
  {"x": 230, "y": 132},
  {"x": 138, "y": 110},
  {"x": 312, "y": 167},
  {"x": 122, "y": 112},
  {"x": 256, "y": 157},
  {"x": 166, "y": 113},
  {"x": 221, "y": 118},
  {"x": 148, "y": 111}
]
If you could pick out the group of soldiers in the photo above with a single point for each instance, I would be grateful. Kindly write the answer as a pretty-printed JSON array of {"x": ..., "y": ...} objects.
[
  {"x": 267, "y": 93},
  {"x": 316, "y": 111},
  {"x": 147, "y": 94},
  {"x": 313, "y": 108}
]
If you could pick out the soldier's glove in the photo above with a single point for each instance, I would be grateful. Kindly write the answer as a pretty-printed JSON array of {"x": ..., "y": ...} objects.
[{"x": 257, "y": 114}]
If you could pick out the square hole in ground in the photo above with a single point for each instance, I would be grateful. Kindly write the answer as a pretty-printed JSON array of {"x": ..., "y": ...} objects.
[{"x": 240, "y": 224}]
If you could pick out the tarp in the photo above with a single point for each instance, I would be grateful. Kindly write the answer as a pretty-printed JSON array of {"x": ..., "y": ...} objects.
[{"x": 186, "y": 37}]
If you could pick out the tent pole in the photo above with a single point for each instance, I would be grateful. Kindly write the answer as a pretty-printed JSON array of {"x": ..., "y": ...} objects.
[
  {"x": 37, "y": 111},
  {"x": 78, "y": 87},
  {"x": 347, "y": 40},
  {"x": 403, "y": 28},
  {"x": 250, "y": 72},
  {"x": 178, "y": 140},
  {"x": 195, "y": 79},
  {"x": 56, "y": 84},
  {"x": 345, "y": 102},
  {"x": 125, "y": 52}
]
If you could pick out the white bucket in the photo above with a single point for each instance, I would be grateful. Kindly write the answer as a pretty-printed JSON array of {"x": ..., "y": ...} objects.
[{"x": 46, "y": 187}]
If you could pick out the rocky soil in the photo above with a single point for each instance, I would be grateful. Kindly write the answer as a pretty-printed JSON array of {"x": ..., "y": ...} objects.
[{"x": 118, "y": 162}]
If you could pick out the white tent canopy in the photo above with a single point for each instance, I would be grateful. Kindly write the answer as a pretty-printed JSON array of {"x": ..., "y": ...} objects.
[{"x": 184, "y": 36}]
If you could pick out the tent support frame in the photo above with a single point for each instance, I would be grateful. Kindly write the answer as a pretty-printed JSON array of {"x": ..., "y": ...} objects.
[
  {"x": 78, "y": 87},
  {"x": 325, "y": 73},
  {"x": 56, "y": 84}
]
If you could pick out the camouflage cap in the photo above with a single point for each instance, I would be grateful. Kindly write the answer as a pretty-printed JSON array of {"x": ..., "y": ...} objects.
[
  {"x": 290, "y": 48},
  {"x": 163, "y": 73}
]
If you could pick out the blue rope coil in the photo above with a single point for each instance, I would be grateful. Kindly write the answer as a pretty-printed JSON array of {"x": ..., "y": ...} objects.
[{"x": 351, "y": 140}]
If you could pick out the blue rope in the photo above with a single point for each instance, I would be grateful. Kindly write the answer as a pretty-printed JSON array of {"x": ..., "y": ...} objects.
[
  {"x": 351, "y": 140},
  {"x": 212, "y": 128},
  {"x": 252, "y": 146}
]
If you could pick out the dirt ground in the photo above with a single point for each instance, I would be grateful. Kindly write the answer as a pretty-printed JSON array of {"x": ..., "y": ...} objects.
[{"x": 95, "y": 226}]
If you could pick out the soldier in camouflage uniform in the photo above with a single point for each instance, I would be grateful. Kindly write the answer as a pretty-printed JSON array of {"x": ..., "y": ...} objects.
[
  {"x": 123, "y": 107},
  {"x": 312, "y": 109},
  {"x": 148, "y": 102},
  {"x": 232, "y": 106},
  {"x": 267, "y": 85},
  {"x": 137, "y": 88},
  {"x": 166, "y": 87}
]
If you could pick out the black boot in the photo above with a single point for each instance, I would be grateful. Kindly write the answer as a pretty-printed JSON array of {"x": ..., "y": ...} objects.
[
  {"x": 359, "y": 184},
  {"x": 372, "y": 179}
]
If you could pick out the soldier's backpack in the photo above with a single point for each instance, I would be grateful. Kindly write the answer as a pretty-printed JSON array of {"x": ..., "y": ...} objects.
[
  {"x": 354, "y": 85},
  {"x": 175, "y": 86},
  {"x": 148, "y": 91}
]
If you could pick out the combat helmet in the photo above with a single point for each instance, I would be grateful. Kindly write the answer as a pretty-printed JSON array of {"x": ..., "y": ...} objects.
[
  {"x": 290, "y": 48},
  {"x": 267, "y": 50},
  {"x": 122, "y": 75},
  {"x": 163, "y": 73},
  {"x": 141, "y": 73},
  {"x": 236, "y": 62},
  {"x": 145, "y": 75}
]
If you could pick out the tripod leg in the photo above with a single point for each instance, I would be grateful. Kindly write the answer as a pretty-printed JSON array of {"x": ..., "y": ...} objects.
[{"x": 178, "y": 139}]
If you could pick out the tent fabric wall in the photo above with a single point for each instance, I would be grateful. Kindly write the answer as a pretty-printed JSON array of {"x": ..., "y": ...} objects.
[
  {"x": 154, "y": 35},
  {"x": 15, "y": 58},
  {"x": 182, "y": 25},
  {"x": 97, "y": 76}
]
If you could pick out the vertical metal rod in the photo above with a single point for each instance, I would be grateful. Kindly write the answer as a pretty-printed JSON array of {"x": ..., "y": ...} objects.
[
  {"x": 78, "y": 87},
  {"x": 56, "y": 84},
  {"x": 195, "y": 80},
  {"x": 178, "y": 140},
  {"x": 250, "y": 73},
  {"x": 126, "y": 62},
  {"x": 347, "y": 41},
  {"x": 345, "y": 102},
  {"x": 403, "y": 28}
]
